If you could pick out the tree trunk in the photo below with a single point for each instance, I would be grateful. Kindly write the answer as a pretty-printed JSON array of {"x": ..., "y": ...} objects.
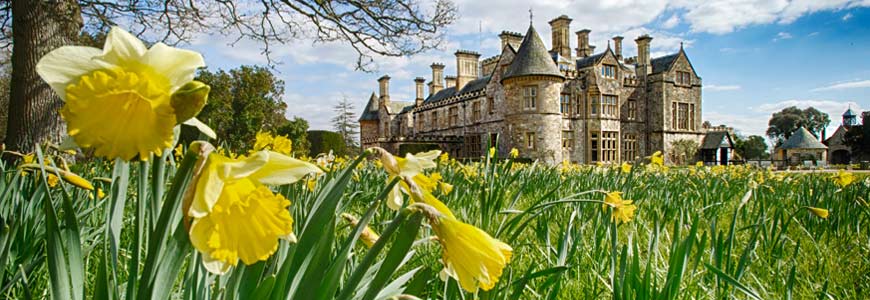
[{"x": 37, "y": 28}]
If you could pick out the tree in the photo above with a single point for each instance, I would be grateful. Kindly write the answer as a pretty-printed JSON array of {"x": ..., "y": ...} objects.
[
  {"x": 5, "y": 76},
  {"x": 323, "y": 142},
  {"x": 345, "y": 123},
  {"x": 297, "y": 131},
  {"x": 752, "y": 147},
  {"x": 683, "y": 151},
  {"x": 858, "y": 139},
  {"x": 242, "y": 102},
  {"x": 386, "y": 28},
  {"x": 785, "y": 122}
]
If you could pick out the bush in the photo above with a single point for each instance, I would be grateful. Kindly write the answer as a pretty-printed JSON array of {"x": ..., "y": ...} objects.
[
  {"x": 323, "y": 141},
  {"x": 417, "y": 148}
]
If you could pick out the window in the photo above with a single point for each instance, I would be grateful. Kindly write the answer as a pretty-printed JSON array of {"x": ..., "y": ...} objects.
[
  {"x": 434, "y": 120},
  {"x": 684, "y": 78},
  {"x": 629, "y": 146},
  {"x": 475, "y": 110},
  {"x": 593, "y": 147},
  {"x": 608, "y": 71},
  {"x": 631, "y": 110},
  {"x": 530, "y": 97},
  {"x": 454, "y": 116},
  {"x": 691, "y": 117},
  {"x": 682, "y": 116},
  {"x": 565, "y": 100},
  {"x": 609, "y": 104},
  {"x": 418, "y": 119},
  {"x": 490, "y": 104},
  {"x": 473, "y": 145},
  {"x": 530, "y": 140},
  {"x": 593, "y": 107},
  {"x": 609, "y": 146},
  {"x": 567, "y": 139}
]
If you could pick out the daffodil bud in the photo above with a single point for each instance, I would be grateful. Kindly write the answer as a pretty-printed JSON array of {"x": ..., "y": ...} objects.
[{"x": 189, "y": 100}]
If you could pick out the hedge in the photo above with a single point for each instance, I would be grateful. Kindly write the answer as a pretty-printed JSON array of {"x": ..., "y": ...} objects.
[{"x": 323, "y": 141}]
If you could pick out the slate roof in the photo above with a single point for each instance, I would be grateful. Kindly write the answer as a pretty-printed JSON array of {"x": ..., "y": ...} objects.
[
  {"x": 714, "y": 140},
  {"x": 475, "y": 85},
  {"x": 802, "y": 139},
  {"x": 589, "y": 60},
  {"x": 370, "y": 113},
  {"x": 532, "y": 58},
  {"x": 441, "y": 95},
  {"x": 849, "y": 113},
  {"x": 662, "y": 64},
  {"x": 400, "y": 106}
]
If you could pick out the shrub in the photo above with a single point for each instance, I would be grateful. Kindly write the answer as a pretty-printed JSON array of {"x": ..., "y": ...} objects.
[{"x": 323, "y": 141}]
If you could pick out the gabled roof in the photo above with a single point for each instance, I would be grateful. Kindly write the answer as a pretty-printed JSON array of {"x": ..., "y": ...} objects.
[
  {"x": 397, "y": 107},
  {"x": 532, "y": 58},
  {"x": 802, "y": 139},
  {"x": 590, "y": 60},
  {"x": 716, "y": 140},
  {"x": 662, "y": 64},
  {"x": 370, "y": 113}
]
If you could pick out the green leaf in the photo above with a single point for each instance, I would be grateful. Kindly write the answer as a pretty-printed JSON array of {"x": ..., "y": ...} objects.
[{"x": 730, "y": 280}]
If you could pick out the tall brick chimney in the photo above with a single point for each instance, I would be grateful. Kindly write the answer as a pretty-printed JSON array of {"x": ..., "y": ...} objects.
[
  {"x": 418, "y": 84},
  {"x": 467, "y": 66},
  {"x": 384, "y": 84},
  {"x": 643, "y": 59},
  {"x": 560, "y": 28},
  {"x": 617, "y": 47},
  {"x": 583, "y": 49},
  {"x": 437, "y": 82}
]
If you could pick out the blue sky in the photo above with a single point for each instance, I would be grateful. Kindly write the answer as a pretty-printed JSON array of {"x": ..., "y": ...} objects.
[{"x": 755, "y": 57}]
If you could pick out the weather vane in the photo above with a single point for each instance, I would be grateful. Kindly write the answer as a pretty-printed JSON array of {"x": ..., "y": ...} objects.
[{"x": 531, "y": 16}]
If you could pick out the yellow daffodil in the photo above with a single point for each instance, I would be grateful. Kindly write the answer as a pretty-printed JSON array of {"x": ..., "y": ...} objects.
[
  {"x": 657, "y": 159},
  {"x": 100, "y": 194},
  {"x": 626, "y": 167},
  {"x": 491, "y": 151},
  {"x": 368, "y": 236},
  {"x": 67, "y": 176},
  {"x": 514, "y": 153},
  {"x": 282, "y": 144},
  {"x": 623, "y": 210},
  {"x": 234, "y": 215},
  {"x": 125, "y": 99},
  {"x": 443, "y": 158},
  {"x": 699, "y": 164},
  {"x": 408, "y": 167},
  {"x": 179, "y": 152},
  {"x": 470, "y": 255},
  {"x": 843, "y": 178},
  {"x": 262, "y": 140},
  {"x": 52, "y": 180},
  {"x": 311, "y": 183},
  {"x": 819, "y": 212}
]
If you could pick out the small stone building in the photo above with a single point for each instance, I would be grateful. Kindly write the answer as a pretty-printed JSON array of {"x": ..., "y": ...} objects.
[
  {"x": 801, "y": 146},
  {"x": 717, "y": 148},
  {"x": 838, "y": 152},
  {"x": 552, "y": 105}
]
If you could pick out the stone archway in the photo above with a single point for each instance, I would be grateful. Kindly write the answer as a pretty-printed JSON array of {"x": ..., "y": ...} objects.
[{"x": 841, "y": 157}]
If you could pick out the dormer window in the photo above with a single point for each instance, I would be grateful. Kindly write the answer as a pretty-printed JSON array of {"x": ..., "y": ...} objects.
[
  {"x": 608, "y": 71},
  {"x": 684, "y": 78}
]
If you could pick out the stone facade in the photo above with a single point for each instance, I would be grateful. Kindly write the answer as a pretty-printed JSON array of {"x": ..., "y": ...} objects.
[{"x": 587, "y": 107}]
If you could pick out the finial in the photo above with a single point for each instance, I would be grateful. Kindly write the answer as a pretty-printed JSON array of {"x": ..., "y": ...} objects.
[
  {"x": 681, "y": 45},
  {"x": 608, "y": 44},
  {"x": 531, "y": 16}
]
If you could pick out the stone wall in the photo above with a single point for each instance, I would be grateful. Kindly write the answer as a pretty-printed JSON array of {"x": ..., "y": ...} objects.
[{"x": 544, "y": 121}]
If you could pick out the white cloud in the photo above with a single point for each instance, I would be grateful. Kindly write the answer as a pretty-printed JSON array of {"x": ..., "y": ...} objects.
[
  {"x": 725, "y": 16},
  {"x": 672, "y": 22},
  {"x": 858, "y": 84},
  {"x": 847, "y": 16},
  {"x": 716, "y": 88},
  {"x": 782, "y": 36}
]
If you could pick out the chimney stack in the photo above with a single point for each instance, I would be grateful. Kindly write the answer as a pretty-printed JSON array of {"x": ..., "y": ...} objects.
[
  {"x": 418, "y": 84},
  {"x": 511, "y": 38},
  {"x": 450, "y": 82},
  {"x": 643, "y": 59},
  {"x": 467, "y": 66},
  {"x": 384, "y": 83},
  {"x": 560, "y": 27},
  {"x": 617, "y": 47},
  {"x": 583, "y": 49},
  {"x": 436, "y": 84}
]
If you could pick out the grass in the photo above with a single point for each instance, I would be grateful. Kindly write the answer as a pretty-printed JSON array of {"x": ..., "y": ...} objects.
[{"x": 698, "y": 233}]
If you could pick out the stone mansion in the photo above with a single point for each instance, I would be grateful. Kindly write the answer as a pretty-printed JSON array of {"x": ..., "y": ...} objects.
[{"x": 552, "y": 105}]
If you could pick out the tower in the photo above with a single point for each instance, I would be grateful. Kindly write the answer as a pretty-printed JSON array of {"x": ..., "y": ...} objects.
[
  {"x": 850, "y": 118},
  {"x": 532, "y": 85}
]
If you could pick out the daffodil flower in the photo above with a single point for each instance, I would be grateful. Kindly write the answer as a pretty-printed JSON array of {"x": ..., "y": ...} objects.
[
  {"x": 410, "y": 166},
  {"x": 124, "y": 100},
  {"x": 368, "y": 236},
  {"x": 819, "y": 212},
  {"x": 623, "y": 210},
  {"x": 470, "y": 255},
  {"x": 514, "y": 153},
  {"x": 626, "y": 167},
  {"x": 843, "y": 178},
  {"x": 234, "y": 215}
]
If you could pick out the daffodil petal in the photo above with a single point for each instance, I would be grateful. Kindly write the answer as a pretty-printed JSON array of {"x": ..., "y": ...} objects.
[
  {"x": 208, "y": 187},
  {"x": 122, "y": 47},
  {"x": 178, "y": 65},
  {"x": 281, "y": 169},
  {"x": 65, "y": 65},
  {"x": 394, "y": 198},
  {"x": 202, "y": 127}
]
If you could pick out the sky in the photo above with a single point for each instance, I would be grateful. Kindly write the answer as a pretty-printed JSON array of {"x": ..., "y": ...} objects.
[{"x": 755, "y": 57}]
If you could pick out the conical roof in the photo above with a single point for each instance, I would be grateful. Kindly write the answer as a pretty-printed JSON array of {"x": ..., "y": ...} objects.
[
  {"x": 849, "y": 113},
  {"x": 802, "y": 139},
  {"x": 532, "y": 58}
]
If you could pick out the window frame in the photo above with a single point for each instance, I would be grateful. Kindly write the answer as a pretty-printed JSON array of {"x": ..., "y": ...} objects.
[{"x": 530, "y": 97}]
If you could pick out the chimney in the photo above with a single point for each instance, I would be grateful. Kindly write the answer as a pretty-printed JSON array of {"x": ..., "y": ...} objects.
[
  {"x": 451, "y": 81},
  {"x": 583, "y": 43},
  {"x": 643, "y": 59},
  {"x": 436, "y": 84},
  {"x": 559, "y": 28},
  {"x": 617, "y": 47},
  {"x": 591, "y": 50},
  {"x": 467, "y": 66},
  {"x": 384, "y": 83},
  {"x": 418, "y": 84},
  {"x": 511, "y": 38}
]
